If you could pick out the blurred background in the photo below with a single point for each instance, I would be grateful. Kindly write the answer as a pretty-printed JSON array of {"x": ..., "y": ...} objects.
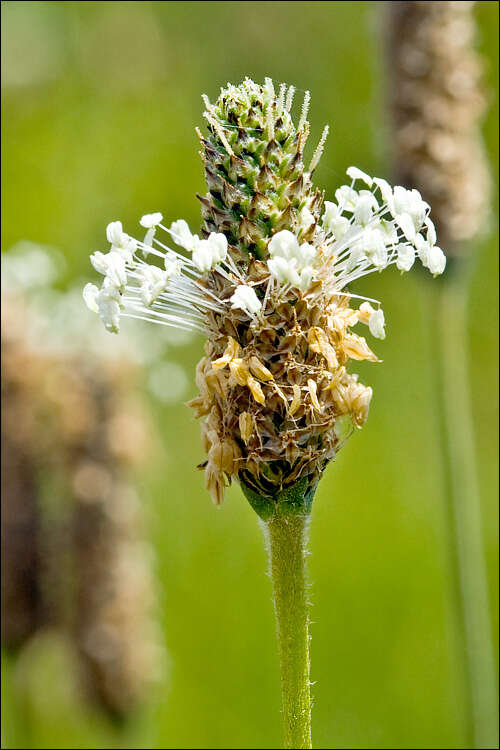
[{"x": 100, "y": 101}]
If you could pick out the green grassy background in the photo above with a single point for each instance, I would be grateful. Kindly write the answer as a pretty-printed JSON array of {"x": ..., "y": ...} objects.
[{"x": 100, "y": 101}]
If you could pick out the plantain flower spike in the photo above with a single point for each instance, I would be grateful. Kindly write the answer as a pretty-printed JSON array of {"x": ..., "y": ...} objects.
[
  {"x": 437, "y": 103},
  {"x": 267, "y": 282}
]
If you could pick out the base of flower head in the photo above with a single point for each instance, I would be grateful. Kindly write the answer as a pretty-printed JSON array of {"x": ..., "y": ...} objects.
[
  {"x": 292, "y": 500},
  {"x": 278, "y": 402}
]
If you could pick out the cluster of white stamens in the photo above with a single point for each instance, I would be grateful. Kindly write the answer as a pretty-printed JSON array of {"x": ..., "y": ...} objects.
[
  {"x": 132, "y": 287},
  {"x": 291, "y": 263},
  {"x": 364, "y": 233},
  {"x": 366, "y": 230}
]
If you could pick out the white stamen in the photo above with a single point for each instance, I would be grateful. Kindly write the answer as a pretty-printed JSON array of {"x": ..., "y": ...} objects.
[
  {"x": 356, "y": 174},
  {"x": 244, "y": 298},
  {"x": 151, "y": 220}
]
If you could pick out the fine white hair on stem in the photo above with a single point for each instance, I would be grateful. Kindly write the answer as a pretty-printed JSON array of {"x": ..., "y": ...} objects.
[{"x": 289, "y": 98}]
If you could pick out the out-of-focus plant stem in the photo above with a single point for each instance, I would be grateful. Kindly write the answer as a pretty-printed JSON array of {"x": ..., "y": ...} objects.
[
  {"x": 287, "y": 540},
  {"x": 451, "y": 367}
]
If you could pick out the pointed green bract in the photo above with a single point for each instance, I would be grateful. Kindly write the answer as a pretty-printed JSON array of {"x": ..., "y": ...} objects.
[{"x": 291, "y": 501}]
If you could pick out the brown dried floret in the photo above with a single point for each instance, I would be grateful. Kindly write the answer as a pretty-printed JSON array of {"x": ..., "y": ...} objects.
[{"x": 285, "y": 386}]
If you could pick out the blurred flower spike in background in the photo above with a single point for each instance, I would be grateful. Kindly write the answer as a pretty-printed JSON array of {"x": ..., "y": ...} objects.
[{"x": 77, "y": 575}]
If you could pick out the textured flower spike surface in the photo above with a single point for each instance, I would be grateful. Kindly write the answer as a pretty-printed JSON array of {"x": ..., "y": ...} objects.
[{"x": 267, "y": 281}]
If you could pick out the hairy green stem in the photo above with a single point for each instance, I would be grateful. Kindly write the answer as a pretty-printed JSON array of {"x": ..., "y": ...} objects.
[
  {"x": 464, "y": 511},
  {"x": 287, "y": 540}
]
